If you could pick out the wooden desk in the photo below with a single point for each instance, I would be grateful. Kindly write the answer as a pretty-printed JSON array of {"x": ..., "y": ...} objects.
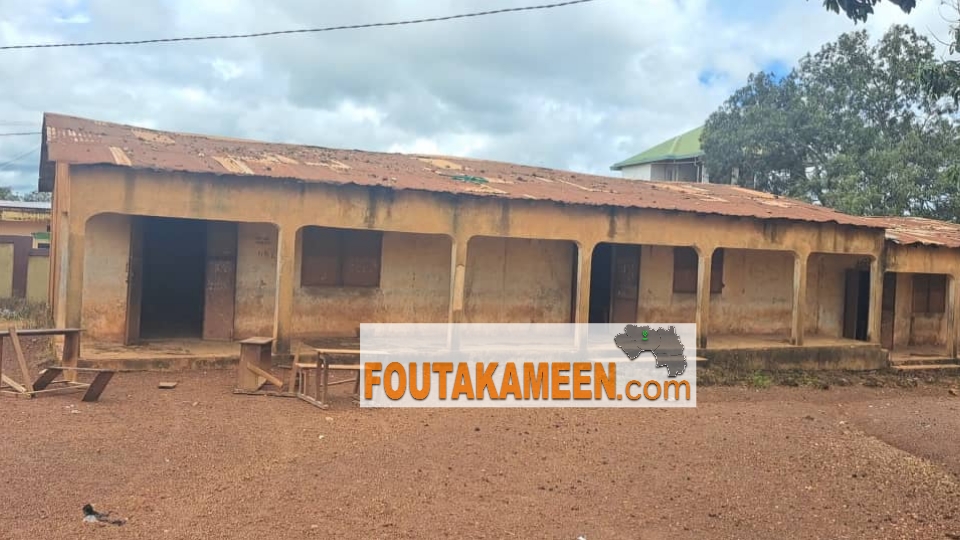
[{"x": 325, "y": 367}]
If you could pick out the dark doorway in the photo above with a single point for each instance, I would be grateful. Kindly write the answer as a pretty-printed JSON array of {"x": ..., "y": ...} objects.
[
  {"x": 173, "y": 277},
  {"x": 856, "y": 305},
  {"x": 614, "y": 283}
]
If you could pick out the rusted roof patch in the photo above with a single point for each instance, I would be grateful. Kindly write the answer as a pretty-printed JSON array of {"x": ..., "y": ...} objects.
[
  {"x": 920, "y": 231},
  {"x": 89, "y": 142}
]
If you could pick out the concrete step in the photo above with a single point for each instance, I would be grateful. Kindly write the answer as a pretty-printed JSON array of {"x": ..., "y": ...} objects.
[
  {"x": 927, "y": 367},
  {"x": 922, "y": 361}
]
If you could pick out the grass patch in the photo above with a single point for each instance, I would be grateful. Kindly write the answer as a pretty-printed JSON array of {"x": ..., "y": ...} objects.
[
  {"x": 759, "y": 380},
  {"x": 25, "y": 314}
]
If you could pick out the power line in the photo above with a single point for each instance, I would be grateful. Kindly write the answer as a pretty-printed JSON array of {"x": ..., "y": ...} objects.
[
  {"x": 302, "y": 31},
  {"x": 18, "y": 158},
  {"x": 19, "y": 133}
]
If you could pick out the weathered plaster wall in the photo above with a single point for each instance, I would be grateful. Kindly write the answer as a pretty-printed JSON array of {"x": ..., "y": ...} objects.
[
  {"x": 757, "y": 295},
  {"x": 826, "y": 293},
  {"x": 106, "y": 252},
  {"x": 6, "y": 270},
  {"x": 517, "y": 280},
  {"x": 22, "y": 228},
  {"x": 658, "y": 302},
  {"x": 414, "y": 287},
  {"x": 256, "y": 280},
  {"x": 38, "y": 271},
  {"x": 745, "y": 305},
  {"x": 915, "y": 329},
  {"x": 251, "y": 199}
]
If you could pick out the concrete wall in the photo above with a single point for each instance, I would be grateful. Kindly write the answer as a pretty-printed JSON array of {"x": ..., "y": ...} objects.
[
  {"x": 921, "y": 329},
  {"x": 517, "y": 280},
  {"x": 909, "y": 328},
  {"x": 414, "y": 287},
  {"x": 757, "y": 295},
  {"x": 662, "y": 172},
  {"x": 745, "y": 305},
  {"x": 658, "y": 302},
  {"x": 38, "y": 272},
  {"x": 638, "y": 172},
  {"x": 107, "y": 250},
  {"x": 256, "y": 280},
  {"x": 826, "y": 293},
  {"x": 22, "y": 228},
  {"x": 6, "y": 270}
]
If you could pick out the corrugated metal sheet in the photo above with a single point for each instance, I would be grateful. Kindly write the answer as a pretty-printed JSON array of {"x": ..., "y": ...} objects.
[
  {"x": 26, "y": 205},
  {"x": 81, "y": 141},
  {"x": 914, "y": 230}
]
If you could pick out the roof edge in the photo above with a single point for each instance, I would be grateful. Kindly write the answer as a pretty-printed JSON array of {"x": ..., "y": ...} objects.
[{"x": 670, "y": 157}]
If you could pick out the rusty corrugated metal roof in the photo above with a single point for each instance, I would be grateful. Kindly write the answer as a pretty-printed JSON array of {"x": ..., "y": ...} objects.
[
  {"x": 915, "y": 230},
  {"x": 82, "y": 141}
]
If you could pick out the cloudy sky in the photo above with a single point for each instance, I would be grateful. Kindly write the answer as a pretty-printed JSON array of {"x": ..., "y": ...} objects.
[{"x": 577, "y": 87}]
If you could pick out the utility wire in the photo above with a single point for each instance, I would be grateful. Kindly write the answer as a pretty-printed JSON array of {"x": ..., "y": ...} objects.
[
  {"x": 18, "y": 158},
  {"x": 19, "y": 133},
  {"x": 302, "y": 31}
]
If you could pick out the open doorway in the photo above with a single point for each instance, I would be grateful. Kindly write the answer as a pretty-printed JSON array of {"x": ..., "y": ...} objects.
[
  {"x": 614, "y": 283},
  {"x": 173, "y": 272},
  {"x": 856, "y": 308}
]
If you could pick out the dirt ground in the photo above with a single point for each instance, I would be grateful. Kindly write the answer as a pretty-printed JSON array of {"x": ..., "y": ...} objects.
[{"x": 198, "y": 461}]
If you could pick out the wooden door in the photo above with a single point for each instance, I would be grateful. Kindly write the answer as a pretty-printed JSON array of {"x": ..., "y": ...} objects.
[
  {"x": 889, "y": 310},
  {"x": 134, "y": 281},
  {"x": 626, "y": 284},
  {"x": 221, "y": 278}
]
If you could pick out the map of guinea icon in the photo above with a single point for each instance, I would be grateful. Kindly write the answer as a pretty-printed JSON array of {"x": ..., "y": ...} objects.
[{"x": 664, "y": 344}]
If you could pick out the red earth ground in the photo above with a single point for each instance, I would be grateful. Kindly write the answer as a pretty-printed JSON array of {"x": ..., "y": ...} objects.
[{"x": 198, "y": 461}]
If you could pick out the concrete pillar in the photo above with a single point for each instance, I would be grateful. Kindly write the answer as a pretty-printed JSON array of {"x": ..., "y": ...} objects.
[
  {"x": 799, "y": 297},
  {"x": 286, "y": 285},
  {"x": 60, "y": 233},
  {"x": 458, "y": 274},
  {"x": 585, "y": 257},
  {"x": 72, "y": 277},
  {"x": 953, "y": 320},
  {"x": 704, "y": 277},
  {"x": 876, "y": 301}
]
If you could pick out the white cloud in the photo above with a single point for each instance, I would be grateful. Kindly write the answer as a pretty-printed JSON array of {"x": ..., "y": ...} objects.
[{"x": 579, "y": 87}]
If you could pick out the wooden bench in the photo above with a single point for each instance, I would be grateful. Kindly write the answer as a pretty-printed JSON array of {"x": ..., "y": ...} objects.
[{"x": 47, "y": 378}]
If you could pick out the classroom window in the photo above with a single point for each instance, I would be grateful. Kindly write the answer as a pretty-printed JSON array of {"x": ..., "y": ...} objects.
[{"x": 340, "y": 258}]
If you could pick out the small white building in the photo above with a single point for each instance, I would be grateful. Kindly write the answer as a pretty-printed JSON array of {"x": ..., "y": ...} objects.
[{"x": 679, "y": 159}]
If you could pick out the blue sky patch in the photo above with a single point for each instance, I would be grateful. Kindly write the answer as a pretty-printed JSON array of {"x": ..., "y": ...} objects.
[
  {"x": 709, "y": 77},
  {"x": 779, "y": 68}
]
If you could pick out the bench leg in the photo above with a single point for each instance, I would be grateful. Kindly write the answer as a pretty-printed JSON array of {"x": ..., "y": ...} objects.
[
  {"x": 97, "y": 386},
  {"x": 46, "y": 378},
  {"x": 326, "y": 380}
]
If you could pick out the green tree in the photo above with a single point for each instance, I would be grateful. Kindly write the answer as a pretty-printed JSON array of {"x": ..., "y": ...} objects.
[
  {"x": 859, "y": 10},
  {"x": 850, "y": 127},
  {"x": 37, "y": 196},
  {"x": 940, "y": 79}
]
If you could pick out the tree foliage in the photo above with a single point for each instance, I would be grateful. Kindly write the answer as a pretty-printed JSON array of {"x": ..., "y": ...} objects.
[
  {"x": 7, "y": 194},
  {"x": 850, "y": 127},
  {"x": 859, "y": 10},
  {"x": 940, "y": 79}
]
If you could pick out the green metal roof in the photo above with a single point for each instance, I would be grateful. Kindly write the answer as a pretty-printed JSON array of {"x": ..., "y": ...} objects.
[{"x": 684, "y": 146}]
